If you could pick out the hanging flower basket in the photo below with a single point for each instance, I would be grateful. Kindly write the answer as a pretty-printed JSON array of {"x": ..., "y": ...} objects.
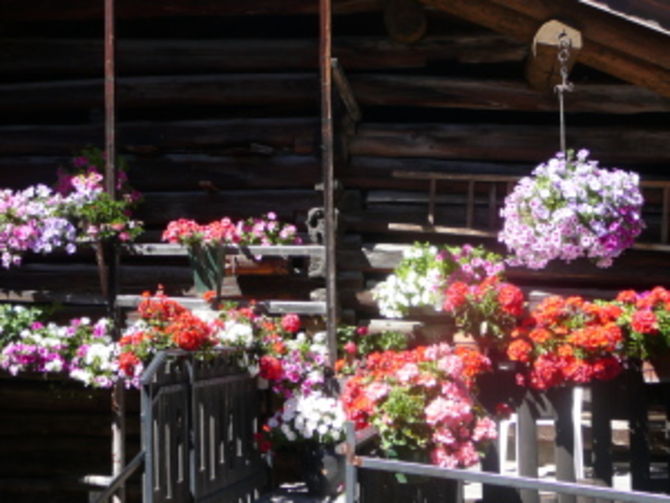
[{"x": 570, "y": 208}]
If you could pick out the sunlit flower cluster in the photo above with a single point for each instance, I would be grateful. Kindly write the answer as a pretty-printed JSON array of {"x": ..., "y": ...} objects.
[
  {"x": 313, "y": 416},
  {"x": 568, "y": 340},
  {"x": 265, "y": 230},
  {"x": 425, "y": 271},
  {"x": 571, "y": 208},
  {"x": 81, "y": 349},
  {"x": 488, "y": 310},
  {"x": 645, "y": 319},
  {"x": 41, "y": 220},
  {"x": 421, "y": 401}
]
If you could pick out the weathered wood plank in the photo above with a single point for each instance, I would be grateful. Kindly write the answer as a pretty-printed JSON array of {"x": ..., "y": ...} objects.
[
  {"x": 517, "y": 143},
  {"x": 288, "y": 89},
  {"x": 447, "y": 92},
  {"x": 159, "y": 207},
  {"x": 165, "y": 249},
  {"x": 181, "y": 171},
  {"x": 31, "y": 58},
  {"x": 46, "y": 423},
  {"x": 221, "y": 136},
  {"x": 651, "y": 13},
  {"x": 14, "y": 10},
  {"x": 301, "y": 89}
]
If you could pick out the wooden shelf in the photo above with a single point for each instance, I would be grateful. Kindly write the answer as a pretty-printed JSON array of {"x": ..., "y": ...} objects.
[
  {"x": 272, "y": 306},
  {"x": 165, "y": 250}
]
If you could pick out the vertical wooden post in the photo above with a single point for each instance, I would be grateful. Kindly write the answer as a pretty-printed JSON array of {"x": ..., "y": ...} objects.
[
  {"x": 327, "y": 165},
  {"x": 527, "y": 455},
  {"x": 601, "y": 430},
  {"x": 118, "y": 394},
  {"x": 665, "y": 215},
  {"x": 561, "y": 401},
  {"x": 638, "y": 421}
]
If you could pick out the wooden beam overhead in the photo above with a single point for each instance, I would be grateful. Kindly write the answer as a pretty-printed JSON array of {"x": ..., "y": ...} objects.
[
  {"x": 70, "y": 10},
  {"x": 543, "y": 69},
  {"x": 612, "y": 44}
]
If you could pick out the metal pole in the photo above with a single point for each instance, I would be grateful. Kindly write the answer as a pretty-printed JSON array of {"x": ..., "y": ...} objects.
[
  {"x": 118, "y": 393},
  {"x": 110, "y": 99},
  {"x": 327, "y": 163}
]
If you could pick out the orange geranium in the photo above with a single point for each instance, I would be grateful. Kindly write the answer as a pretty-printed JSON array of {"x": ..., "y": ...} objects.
[{"x": 568, "y": 340}]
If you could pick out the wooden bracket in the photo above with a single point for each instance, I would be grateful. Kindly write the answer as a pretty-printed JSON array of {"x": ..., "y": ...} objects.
[
  {"x": 543, "y": 68},
  {"x": 405, "y": 20}
]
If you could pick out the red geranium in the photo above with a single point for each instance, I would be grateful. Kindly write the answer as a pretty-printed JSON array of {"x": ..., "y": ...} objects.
[
  {"x": 568, "y": 340},
  {"x": 455, "y": 296},
  {"x": 511, "y": 299},
  {"x": 271, "y": 368},
  {"x": 291, "y": 323},
  {"x": 127, "y": 363},
  {"x": 645, "y": 322}
]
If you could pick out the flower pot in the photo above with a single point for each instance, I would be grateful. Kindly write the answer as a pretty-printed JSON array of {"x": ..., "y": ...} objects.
[
  {"x": 208, "y": 263},
  {"x": 322, "y": 469}
]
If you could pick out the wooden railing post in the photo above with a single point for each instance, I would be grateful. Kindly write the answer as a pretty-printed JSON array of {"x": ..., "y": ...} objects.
[
  {"x": 528, "y": 452},
  {"x": 561, "y": 403}
]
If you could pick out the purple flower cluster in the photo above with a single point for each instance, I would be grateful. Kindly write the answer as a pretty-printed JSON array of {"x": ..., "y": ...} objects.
[
  {"x": 83, "y": 350},
  {"x": 571, "y": 208},
  {"x": 475, "y": 264},
  {"x": 30, "y": 221}
]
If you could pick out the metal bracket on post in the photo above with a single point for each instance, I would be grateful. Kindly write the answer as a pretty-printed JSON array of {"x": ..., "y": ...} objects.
[{"x": 316, "y": 229}]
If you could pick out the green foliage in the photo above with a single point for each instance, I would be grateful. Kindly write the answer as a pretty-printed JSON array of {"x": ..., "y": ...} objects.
[{"x": 16, "y": 318}]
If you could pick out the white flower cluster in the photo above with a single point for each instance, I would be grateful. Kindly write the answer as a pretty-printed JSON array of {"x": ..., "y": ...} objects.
[
  {"x": 236, "y": 334},
  {"x": 310, "y": 417},
  {"x": 96, "y": 364},
  {"x": 416, "y": 282}
]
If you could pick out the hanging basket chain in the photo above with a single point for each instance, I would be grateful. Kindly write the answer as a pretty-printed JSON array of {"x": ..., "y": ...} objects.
[{"x": 564, "y": 43}]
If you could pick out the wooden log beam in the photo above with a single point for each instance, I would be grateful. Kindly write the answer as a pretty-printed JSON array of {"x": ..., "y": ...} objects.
[
  {"x": 181, "y": 172},
  {"x": 33, "y": 58},
  {"x": 300, "y": 89},
  {"x": 543, "y": 68},
  {"x": 158, "y": 92},
  {"x": 652, "y": 13},
  {"x": 612, "y": 45},
  {"x": 51, "y": 10},
  {"x": 514, "y": 143},
  {"x": 383, "y": 89},
  {"x": 233, "y": 136},
  {"x": 159, "y": 207}
]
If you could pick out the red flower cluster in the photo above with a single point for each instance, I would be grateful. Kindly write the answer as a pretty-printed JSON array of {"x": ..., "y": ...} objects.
[
  {"x": 189, "y": 332},
  {"x": 568, "y": 340},
  {"x": 164, "y": 324},
  {"x": 646, "y": 320},
  {"x": 271, "y": 368},
  {"x": 489, "y": 309},
  {"x": 291, "y": 323}
]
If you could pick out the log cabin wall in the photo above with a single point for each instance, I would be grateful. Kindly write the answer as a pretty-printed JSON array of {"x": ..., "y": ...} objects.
[{"x": 219, "y": 115}]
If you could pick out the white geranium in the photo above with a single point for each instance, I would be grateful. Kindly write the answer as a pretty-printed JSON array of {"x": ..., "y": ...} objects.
[{"x": 310, "y": 417}]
